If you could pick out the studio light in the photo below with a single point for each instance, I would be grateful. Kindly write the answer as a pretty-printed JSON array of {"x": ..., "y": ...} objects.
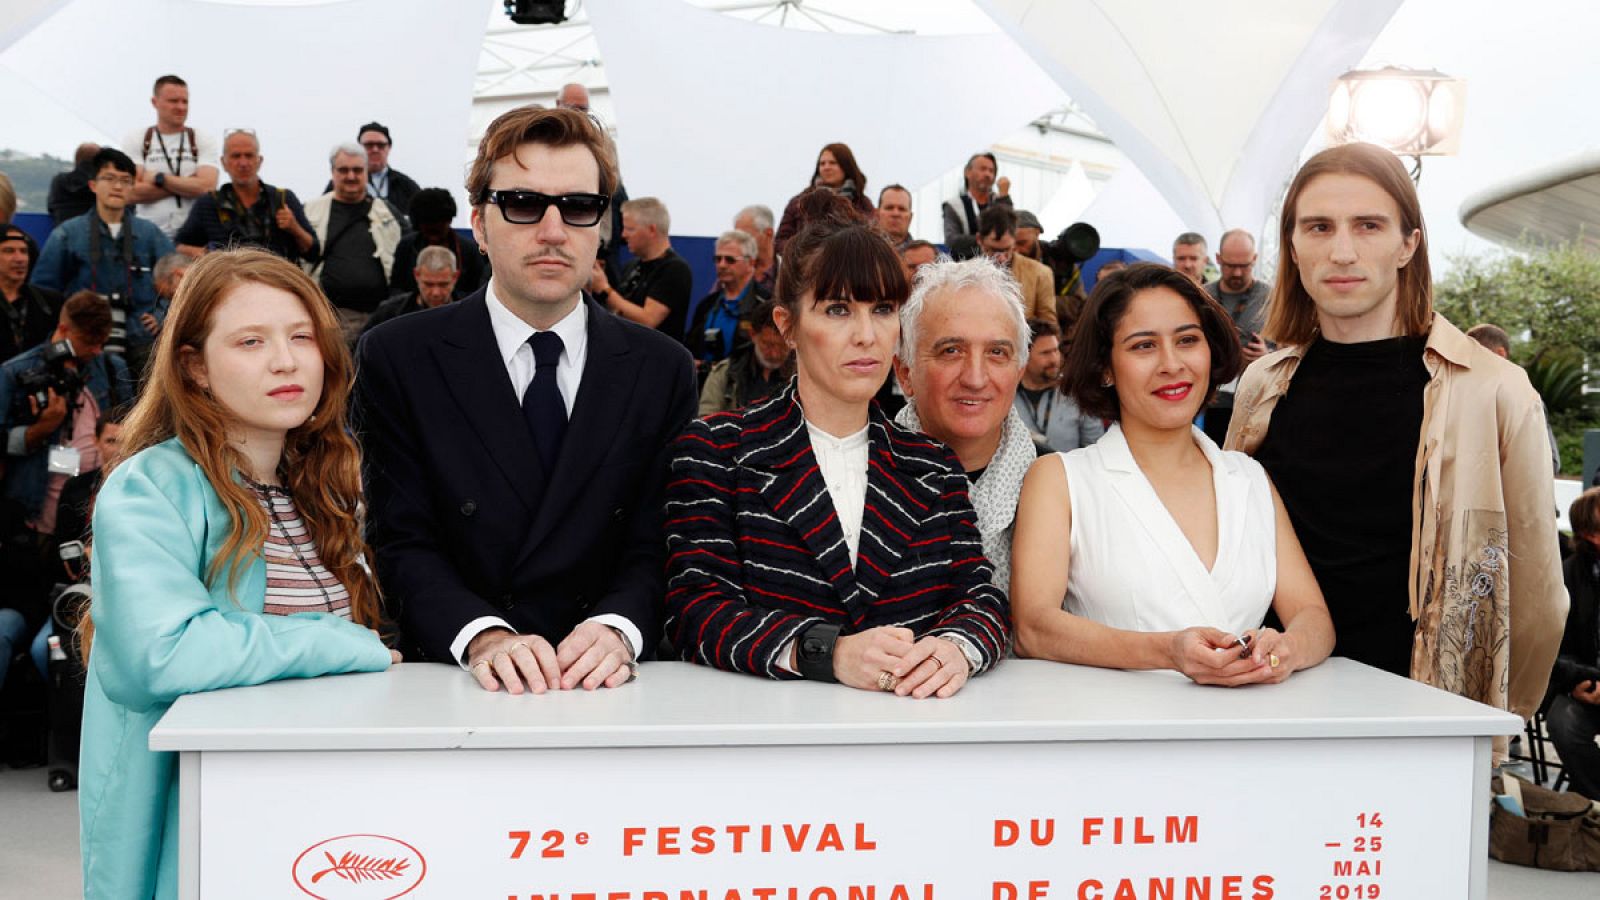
[{"x": 1411, "y": 112}]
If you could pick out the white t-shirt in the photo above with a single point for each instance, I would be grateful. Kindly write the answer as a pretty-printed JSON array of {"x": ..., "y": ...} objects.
[{"x": 172, "y": 154}]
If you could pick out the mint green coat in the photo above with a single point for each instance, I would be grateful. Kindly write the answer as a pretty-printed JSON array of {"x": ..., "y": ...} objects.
[{"x": 160, "y": 633}]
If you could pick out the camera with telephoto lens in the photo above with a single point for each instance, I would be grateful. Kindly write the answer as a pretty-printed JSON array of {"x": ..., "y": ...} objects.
[{"x": 34, "y": 386}]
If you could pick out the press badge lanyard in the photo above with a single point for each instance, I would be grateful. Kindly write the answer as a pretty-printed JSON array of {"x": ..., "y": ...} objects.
[
  {"x": 1050, "y": 410},
  {"x": 176, "y": 168},
  {"x": 64, "y": 459},
  {"x": 125, "y": 242}
]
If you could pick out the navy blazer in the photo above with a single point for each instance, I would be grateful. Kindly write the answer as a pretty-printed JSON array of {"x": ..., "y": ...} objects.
[
  {"x": 756, "y": 554},
  {"x": 463, "y": 518}
]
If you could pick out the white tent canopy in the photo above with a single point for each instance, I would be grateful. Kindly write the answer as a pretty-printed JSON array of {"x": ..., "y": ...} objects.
[
  {"x": 714, "y": 112},
  {"x": 304, "y": 77},
  {"x": 1213, "y": 102}
]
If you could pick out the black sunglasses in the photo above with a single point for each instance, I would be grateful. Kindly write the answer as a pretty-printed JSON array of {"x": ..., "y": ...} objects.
[{"x": 528, "y": 207}]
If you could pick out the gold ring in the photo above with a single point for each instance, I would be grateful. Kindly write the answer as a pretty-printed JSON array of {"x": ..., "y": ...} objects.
[
  {"x": 1272, "y": 660},
  {"x": 481, "y": 662},
  {"x": 937, "y": 661},
  {"x": 518, "y": 645},
  {"x": 886, "y": 680}
]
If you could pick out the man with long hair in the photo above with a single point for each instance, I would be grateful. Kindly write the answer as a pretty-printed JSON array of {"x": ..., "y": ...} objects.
[{"x": 1413, "y": 462}]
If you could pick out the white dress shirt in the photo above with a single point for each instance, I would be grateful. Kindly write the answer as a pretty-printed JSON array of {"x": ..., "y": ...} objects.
[
  {"x": 843, "y": 465},
  {"x": 511, "y": 336}
]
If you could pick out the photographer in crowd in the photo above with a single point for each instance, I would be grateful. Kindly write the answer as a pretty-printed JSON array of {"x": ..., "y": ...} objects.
[
  {"x": 107, "y": 251},
  {"x": 51, "y": 397}
]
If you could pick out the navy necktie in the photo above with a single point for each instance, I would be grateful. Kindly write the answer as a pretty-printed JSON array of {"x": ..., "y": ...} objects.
[{"x": 542, "y": 406}]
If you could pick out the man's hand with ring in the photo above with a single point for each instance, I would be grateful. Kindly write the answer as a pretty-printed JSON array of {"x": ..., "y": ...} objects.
[
  {"x": 499, "y": 657},
  {"x": 594, "y": 655}
]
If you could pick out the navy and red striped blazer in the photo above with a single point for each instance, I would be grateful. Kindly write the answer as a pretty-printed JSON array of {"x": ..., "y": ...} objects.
[{"x": 756, "y": 554}]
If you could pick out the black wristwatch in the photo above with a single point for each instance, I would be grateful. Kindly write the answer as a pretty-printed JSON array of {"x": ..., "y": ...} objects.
[
  {"x": 816, "y": 652},
  {"x": 161, "y": 180}
]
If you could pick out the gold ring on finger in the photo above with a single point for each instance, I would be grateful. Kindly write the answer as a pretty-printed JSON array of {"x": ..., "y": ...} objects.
[
  {"x": 481, "y": 662},
  {"x": 1272, "y": 660},
  {"x": 886, "y": 680},
  {"x": 518, "y": 646}
]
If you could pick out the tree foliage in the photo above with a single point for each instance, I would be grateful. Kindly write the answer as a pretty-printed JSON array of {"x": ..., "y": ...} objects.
[{"x": 1547, "y": 299}]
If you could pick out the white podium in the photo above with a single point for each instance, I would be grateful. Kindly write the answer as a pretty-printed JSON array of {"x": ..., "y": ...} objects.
[{"x": 1038, "y": 782}]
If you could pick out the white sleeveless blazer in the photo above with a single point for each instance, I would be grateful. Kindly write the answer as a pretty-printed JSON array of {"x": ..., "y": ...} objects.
[{"x": 1131, "y": 566}]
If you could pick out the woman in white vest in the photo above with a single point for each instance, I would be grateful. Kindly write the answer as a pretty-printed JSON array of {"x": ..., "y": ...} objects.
[{"x": 1154, "y": 549}]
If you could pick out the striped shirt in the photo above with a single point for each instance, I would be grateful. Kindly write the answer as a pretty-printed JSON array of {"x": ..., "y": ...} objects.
[{"x": 297, "y": 581}]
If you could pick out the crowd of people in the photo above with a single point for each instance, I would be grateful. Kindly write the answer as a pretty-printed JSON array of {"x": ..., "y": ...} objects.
[{"x": 858, "y": 459}]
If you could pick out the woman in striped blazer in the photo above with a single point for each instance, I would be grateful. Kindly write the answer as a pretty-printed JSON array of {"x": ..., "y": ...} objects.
[{"x": 811, "y": 537}]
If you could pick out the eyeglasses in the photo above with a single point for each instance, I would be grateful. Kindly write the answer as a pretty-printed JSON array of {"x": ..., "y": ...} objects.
[
  {"x": 375, "y": 145},
  {"x": 528, "y": 207},
  {"x": 730, "y": 260}
]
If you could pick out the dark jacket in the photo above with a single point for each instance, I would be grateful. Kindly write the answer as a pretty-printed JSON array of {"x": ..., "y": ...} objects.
[
  {"x": 756, "y": 555},
  {"x": 740, "y": 381},
  {"x": 790, "y": 224},
  {"x": 81, "y": 253},
  {"x": 216, "y": 220},
  {"x": 105, "y": 377},
  {"x": 70, "y": 196},
  {"x": 1580, "y": 643},
  {"x": 29, "y": 321},
  {"x": 472, "y": 266},
  {"x": 393, "y": 308},
  {"x": 462, "y": 517},
  {"x": 694, "y": 337}
]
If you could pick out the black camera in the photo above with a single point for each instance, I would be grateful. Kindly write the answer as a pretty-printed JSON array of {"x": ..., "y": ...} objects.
[{"x": 34, "y": 386}]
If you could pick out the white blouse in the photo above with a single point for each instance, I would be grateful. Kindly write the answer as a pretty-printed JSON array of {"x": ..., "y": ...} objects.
[
  {"x": 843, "y": 464},
  {"x": 1131, "y": 567}
]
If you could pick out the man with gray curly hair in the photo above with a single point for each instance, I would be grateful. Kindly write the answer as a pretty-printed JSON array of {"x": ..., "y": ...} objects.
[{"x": 963, "y": 344}]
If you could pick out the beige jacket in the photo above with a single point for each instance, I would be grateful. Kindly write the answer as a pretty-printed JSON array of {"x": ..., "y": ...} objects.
[
  {"x": 1486, "y": 590},
  {"x": 1038, "y": 287},
  {"x": 381, "y": 220}
]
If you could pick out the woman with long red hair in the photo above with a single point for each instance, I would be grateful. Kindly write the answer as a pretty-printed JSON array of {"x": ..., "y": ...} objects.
[{"x": 226, "y": 547}]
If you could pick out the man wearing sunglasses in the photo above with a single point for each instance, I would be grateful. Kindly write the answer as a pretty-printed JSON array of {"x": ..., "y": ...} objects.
[
  {"x": 515, "y": 441},
  {"x": 383, "y": 180},
  {"x": 721, "y": 321}
]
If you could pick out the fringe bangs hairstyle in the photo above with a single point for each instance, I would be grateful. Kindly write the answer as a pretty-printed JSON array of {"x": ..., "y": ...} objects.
[
  {"x": 321, "y": 463},
  {"x": 838, "y": 257},
  {"x": 1291, "y": 313}
]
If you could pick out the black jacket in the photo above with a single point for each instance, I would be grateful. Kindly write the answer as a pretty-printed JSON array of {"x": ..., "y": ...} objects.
[
  {"x": 462, "y": 517},
  {"x": 1580, "y": 643},
  {"x": 694, "y": 337}
]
